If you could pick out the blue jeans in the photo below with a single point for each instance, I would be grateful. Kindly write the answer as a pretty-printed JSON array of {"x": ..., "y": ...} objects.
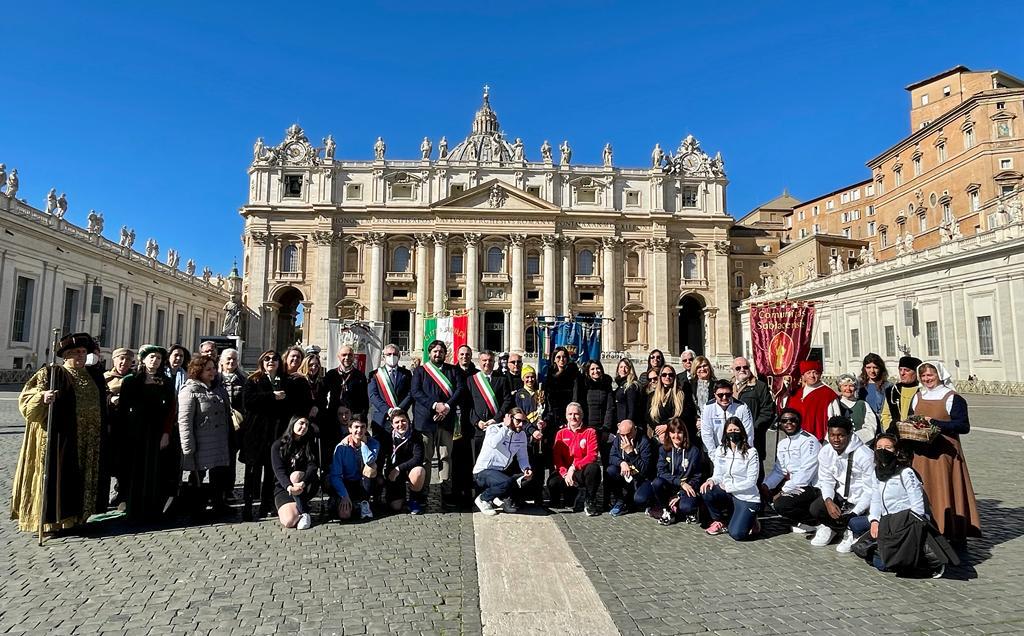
[
  {"x": 659, "y": 492},
  {"x": 859, "y": 525},
  {"x": 495, "y": 483},
  {"x": 740, "y": 515},
  {"x": 638, "y": 492}
]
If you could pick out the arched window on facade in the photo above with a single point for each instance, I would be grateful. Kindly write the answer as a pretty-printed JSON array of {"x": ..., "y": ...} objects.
[
  {"x": 352, "y": 259},
  {"x": 290, "y": 258},
  {"x": 690, "y": 266},
  {"x": 495, "y": 260},
  {"x": 400, "y": 259},
  {"x": 585, "y": 263},
  {"x": 632, "y": 265}
]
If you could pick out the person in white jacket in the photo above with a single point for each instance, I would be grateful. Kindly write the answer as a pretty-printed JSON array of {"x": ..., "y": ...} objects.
[
  {"x": 493, "y": 471},
  {"x": 846, "y": 479},
  {"x": 792, "y": 484},
  {"x": 731, "y": 494},
  {"x": 715, "y": 415}
]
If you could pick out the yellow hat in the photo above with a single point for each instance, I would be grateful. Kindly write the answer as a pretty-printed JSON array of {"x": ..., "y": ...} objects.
[{"x": 527, "y": 369}]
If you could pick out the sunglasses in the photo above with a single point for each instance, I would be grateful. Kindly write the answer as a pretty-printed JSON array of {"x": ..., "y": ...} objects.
[
  {"x": 520, "y": 420},
  {"x": 687, "y": 359},
  {"x": 668, "y": 375},
  {"x": 789, "y": 419},
  {"x": 743, "y": 368},
  {"x": 723, "y": 395}
]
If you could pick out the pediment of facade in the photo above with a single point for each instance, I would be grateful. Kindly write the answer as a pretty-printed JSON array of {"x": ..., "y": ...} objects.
[{"x": 495, "y": 195}]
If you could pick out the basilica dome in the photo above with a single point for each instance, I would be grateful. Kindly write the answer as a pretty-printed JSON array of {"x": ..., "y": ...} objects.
[{"x": 485, "y": 144}]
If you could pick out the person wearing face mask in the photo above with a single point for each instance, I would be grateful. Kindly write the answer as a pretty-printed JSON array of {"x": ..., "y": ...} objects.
[
  {"x": 495, "y": 472},
  {"x": 815, "y": 401},
  {"x": 865, "y": 424},
  {"x": 792, "y": 484},
  {"x": 717, "y": 413},
  {"x": 731, "y": 493},
  {"x": 437, "y": 389},
  {"x": 898, "y": 516},
  {"x": 898, "y": 396},
  {"x": 390, "y": 390},
  {"x": 346, "y": 385},
  {"x": 755, "y": 394},
  {"x": 78, "y": 403},
  {"x": 846, "y": 481},
  {"x": 120, "y": 465},
  {"x": 941, "y": 462}
]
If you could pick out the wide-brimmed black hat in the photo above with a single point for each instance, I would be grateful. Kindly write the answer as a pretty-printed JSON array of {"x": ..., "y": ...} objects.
[{"x": 75, "y": 340}]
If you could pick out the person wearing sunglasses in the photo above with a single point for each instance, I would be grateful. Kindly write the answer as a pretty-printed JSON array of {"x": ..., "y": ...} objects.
[
  {"x": 503, "y": 464},
  {"x": 757, "y": 397},
  {"x": 792, "y": 485},
  {"x": 715, "y": 415},
  {"x": 514, "y": 371},
  {"x": 655, "y": 360},
  {"x": 669, "y": 401},
  {"x": 686, "y": 359}
]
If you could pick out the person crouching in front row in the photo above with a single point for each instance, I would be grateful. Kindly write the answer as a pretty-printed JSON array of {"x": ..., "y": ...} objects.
[
  {"x": 792, "y": 484},
  {"x": 295, "y": 460},
  {"x": 403, "y": 465},
  {"x": 576, "y": 463},
  {"x": 353, "y": 475},
  {"x": 496, "y": 471},
  {"x": 846, "y": 480},
  {"x": 731, "y": 493}
]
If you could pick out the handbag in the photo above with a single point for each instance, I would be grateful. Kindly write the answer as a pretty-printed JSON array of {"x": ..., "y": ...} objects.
[
  {"x": 236, "y": 419},
  {"x": 865, "y": 546}
]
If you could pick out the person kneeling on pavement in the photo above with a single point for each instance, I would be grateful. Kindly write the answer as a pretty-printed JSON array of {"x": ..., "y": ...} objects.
[
  {"x": 575, "y": 460},
  {"x": 403, "y": 465},
  {"x": 846, "y": 480},
  {"x": 353, "y": 475},
  {"x": 731, "y": 493},
  {"x": 674, "y": 492},
  {"x": 907, "y": 540},
  {"x": 502, "y": 463},
  {"x": 295, "y": 460},
  {"x": 792, "y": 484},
  {"x": 630, "y": 464}
]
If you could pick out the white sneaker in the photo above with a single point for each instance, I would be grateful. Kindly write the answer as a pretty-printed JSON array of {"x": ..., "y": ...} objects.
[
  {"x": 485, "y": 506},
  {"x": 305, "y": 521},
  {"x": 802, "y": 528},
  {"x": 823, "y": 536},
  {"x": 364, "y": 510},
  {"x": 847, "y": 543}
]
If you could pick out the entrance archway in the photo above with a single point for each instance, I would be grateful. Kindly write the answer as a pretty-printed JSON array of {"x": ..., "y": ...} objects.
[
  {"x": 691, "y": 324},
  {"x": 289, "y": 327}
]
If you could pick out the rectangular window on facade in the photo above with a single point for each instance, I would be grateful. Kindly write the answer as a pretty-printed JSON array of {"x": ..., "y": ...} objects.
[
  {"x": 161, "y": 322},
  {"x": 803, "y": 232},
  {"x": 179, "y": 328},
  {"x": 855, "y": 343},
  {"x": 586, "y": 195},
  {"x": 817, "y": 229},
  {"x": 801, "y": 215},
  {"x": 986, "y": 345},
  {"x": 942, "y": 152},
  {"x": 968, "y": 138},
  {"x": 871, "y": 228},
  {"x": 135, "y": 333},
  {"x": 883, "y": 238},
  {"x": 922, "y": 223},
  {"x": 831, "y": 205},
  {"x": 632, "y": 198},
  {"x": 21, "y": 325},
  {"x": 869, "y": 190},
  {"x": 399, "y": 293},
  {"x": 534, "y": 190},
  {"x": 846, "y": 232},
  {"x": 106, "y": 321},
  {"x": 897, "y": 176},
  {"x": 1005, "y": 164},
  {"x": 196, "y": 328},
  {"x": 212, "y": 328},
  {"x": 401, "y": 191},
  {"x": 1006, "y": 189},
  {"x": 70, "y": 319},
  {"x": 844, "y": 217},
  {"x": 975, "y": 201},
  {"x": 890, "y": 341},
  {"x": 456, "y": 188},
  {"x": 292, "y": 186},
  {"x": 454, "y": 293},
  {"x": 455, "y": 263},
  {"x": 855, "y": 215},
  {"x": 533, "y": 294},
  {"x": 354, "y": 191},
  {"x": 533, "y": 264},
  {"x": 947, "y": 213},
  {"x": 870, "y": 211},
  {"x": 585, "y": 296},
  {"x": 845, "y": 198},
  {"x": 945, "y": 91},
  {"x": 689, "y": 197},
  {"x": 931, "y": 329},
  {"x": 917, "y": 167},
  {"x": 856, "y": 194},
  {"x": 924, "y": 99},
  {"x": 826, "y": 345}
]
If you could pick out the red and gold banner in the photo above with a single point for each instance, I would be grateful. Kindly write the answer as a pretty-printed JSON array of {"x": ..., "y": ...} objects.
[{"x": 780, "y": 336}]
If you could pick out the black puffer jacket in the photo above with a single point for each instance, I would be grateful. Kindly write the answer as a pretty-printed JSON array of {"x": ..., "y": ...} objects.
[
  {"x": 559, "y": 391},
  {"x": 599, "y": 405},
  {"x": 629, "y": 403}
]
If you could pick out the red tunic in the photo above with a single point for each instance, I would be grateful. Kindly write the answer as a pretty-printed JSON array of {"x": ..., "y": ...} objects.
[{"x": 813, "y": 409}]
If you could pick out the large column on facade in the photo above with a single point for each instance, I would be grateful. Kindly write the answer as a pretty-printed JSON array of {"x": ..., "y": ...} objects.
[
  {"x": 610, "y": 267},
  {"x": 375, "y": 241},
  {"x": 472, "y": 268},
  {"x": 716, "y": 333},
  {"x": 517, "y": 319},
  {"x": 440, "y": 271},
  {"x": 550, "y": 241},
  {"x": 505, "y": 333},
  {"x": 422, "y": 254},
  {"x": 316, "y": 316},
  {"x": 659, "y": 298},
  {"x": 566, "y": 284}
]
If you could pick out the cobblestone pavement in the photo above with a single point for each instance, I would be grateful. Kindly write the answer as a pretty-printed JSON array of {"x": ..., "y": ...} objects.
[
  {"x": 419, "y": 575},
  {"x": 677, "y": 580},
  {"x": 396, "y": 574}
]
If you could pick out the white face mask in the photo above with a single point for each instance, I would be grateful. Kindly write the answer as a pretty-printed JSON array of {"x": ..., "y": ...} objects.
[
  {"x": 391, "y": 360},
  {"x": 91, "y": 359}
]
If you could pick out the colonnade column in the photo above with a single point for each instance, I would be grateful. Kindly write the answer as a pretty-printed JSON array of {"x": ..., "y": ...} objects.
[
  {"x": 422, "y": 249},
  {"x": 375, "y": 241},
  {"x": 549, "y": 241},
  {"x": 658, "y": 296},
  {"x": 516, "y": 336},
  {"x": 505, "y": 333},
  {"x": 472, "y": 269},
  {"x": 316, "y": 330},
  {"x": 440, "y": 271},
  {"x": 610, "y": 267},
  {"x": 566, "y": 285}
]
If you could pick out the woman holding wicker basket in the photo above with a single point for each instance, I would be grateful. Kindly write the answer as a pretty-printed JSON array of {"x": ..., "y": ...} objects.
[{"x": 938, "y": 419}]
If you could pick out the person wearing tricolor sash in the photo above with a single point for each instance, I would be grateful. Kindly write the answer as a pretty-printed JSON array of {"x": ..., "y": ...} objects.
[
  {"x": 389, "y": 389},
  {"x": 436, "y": 391},
  {"x": 491, "y": 397}
]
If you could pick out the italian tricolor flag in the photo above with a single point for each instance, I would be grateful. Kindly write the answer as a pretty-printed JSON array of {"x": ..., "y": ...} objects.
[{"x": 450, "y": 329}]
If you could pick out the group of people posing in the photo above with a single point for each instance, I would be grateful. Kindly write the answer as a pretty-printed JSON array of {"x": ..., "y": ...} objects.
[{"x": 679, "y": 445}]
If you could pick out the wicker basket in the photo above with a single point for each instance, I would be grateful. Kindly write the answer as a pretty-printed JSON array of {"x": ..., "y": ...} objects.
[{"x": 908, "y": 431}]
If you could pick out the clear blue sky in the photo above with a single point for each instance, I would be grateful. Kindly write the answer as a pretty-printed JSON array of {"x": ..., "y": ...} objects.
[{"x": 149, "y": 114}]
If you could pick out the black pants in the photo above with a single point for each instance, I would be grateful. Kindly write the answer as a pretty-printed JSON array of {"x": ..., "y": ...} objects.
[
  {"x": 761, "y": 444},
  {"x": 820, "y": 512},
  {"x": 797, "y": 508},
  {"x": 589, "y": 478},
  {"x": 259, "y": 479}
]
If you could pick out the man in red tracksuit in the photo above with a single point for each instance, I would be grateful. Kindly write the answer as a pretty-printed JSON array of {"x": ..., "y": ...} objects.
[{"x": 577, "y": 469}]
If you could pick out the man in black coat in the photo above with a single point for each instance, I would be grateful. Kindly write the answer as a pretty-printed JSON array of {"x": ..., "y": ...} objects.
[
  {"x": 514, "y": 372},
  {"x": 491, "y": 396},
  {"x": 346, "y": 385},
  {"x": 390, "y": 390},
  {"x": 437, "y": 388}
]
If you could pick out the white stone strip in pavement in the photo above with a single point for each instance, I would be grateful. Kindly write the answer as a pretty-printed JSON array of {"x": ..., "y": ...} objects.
[
  {"x": 997, "y": 430},
  {"x": 530, "y": 581}
]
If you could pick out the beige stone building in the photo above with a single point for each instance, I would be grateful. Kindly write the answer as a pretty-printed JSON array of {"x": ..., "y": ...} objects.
[
  {"x": 58, "y": 275},
  {"x": 484, "y": 228}
]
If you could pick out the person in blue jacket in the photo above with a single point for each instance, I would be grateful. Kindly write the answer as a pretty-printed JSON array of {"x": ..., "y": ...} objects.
[
  {"x": 630, "y": 467},
  {"x": 680, "y": 469},
  {"x": 390, "y": 389},
  {"x": 353, "y": 474}
]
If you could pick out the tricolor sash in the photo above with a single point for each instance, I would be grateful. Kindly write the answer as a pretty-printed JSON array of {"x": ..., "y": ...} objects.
[
  {"x": 439, "y": 378},
  {"x": 486, "y": 391},
  {"x": 384, "y": 383}
]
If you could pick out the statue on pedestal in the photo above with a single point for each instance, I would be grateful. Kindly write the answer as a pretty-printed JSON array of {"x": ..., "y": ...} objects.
[
  {"x": 258, "y": 150},
  {"x": 657, "y": 156},
  {"x": 754, "y": 290},
  {"x": 329, "y": 147},
  {"x": 425, "y": 149},
  {"x": 152, "y": 249},
  {"x": 442, "y": 148},
  {"x": 94, "y": 222},
  {"x": 173, "y": 258},
  {"x": 908, "y": 242},
  {"x": 51, "y": 201},
  {"x": 565, "y": 153},
  {"x": 190, "y": 267},
  {"x": 545, "y": 151},
  {"x": 62, "y": 206},
  {"x": 207, "y": 274},
  {"x": 232, "y": 309},
  {"x": 12, "y": 183},
  {"x": 379, "y": 148},
  {"x": 517, "y": 150},
  {"x": 125, "y": 237},
  {"x": 3, "y": 175},
  {"x": 606, "y": 155}
]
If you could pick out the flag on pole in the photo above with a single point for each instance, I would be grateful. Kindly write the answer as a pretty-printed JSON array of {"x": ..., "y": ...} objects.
[{"x": 450, "y": 330}]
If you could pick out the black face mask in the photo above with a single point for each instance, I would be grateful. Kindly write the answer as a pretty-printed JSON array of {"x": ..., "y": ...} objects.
[
  {"x": 885, "y": 463},
  {"x": 736, "y": 437}
]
